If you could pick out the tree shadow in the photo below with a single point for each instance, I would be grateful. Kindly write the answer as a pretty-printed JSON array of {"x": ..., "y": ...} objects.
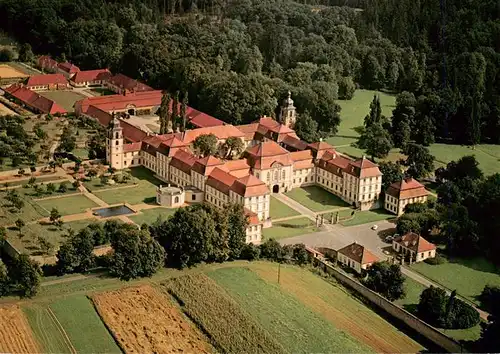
[
  {"x": 323, "y": 197},
  {"x": 359, "y": 129},
  {"x": 477, "y": 263},
  {"x": 149, "y": 200},
  {"x": 411, "y": 308}
]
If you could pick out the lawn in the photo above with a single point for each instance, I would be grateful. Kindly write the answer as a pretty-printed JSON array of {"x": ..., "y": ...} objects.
[
  {"x": 83, "y": 325},
  {"x": 280, "y": 210},
  {"x": 73, "y": 204},
  {"x": 65, "y": 99},
  {"x": 290, "y": 322},
  {"x": 30, "y": 212},
  {"x": 82, "y": 153},
  {"x": 289, "y": 228},
  {"x": 101, "y": 91},
  {"x": 316, "y": 198},
  {"x": 28, "y": 243},
  {"x": 467, "y": 276},
  {"x": 369, "y": 216},
  {"x": 149, "y": 216},
  {"x": 47, "y": 332},
  {"x": 409, "y": 303},
  {"x": 143, "y": 192}
]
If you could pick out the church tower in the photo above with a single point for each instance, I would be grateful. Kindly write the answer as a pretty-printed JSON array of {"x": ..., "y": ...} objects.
[
  {"x": 114, "y": 144},
  {"x": 288, "y": 114}
]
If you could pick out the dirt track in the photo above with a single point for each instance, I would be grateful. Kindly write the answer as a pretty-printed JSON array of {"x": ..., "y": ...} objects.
[
  {"x": 15, "y": 333},
  {"x": 143, "y": 320}
]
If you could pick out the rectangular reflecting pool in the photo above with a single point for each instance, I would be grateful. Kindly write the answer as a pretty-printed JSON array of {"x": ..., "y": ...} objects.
[{"x": 113, "y": 211}]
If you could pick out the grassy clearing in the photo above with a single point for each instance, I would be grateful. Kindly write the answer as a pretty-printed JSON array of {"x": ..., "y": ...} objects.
[
  {"x": 149, "y": 216},
  {"x": 28, "y": 243},
  {"x": 65, "y": 99},
  {"x": 73, "y": 204},
  {"x": 143, "y": 192},
  {"x": 289, "y": 228},
  {"x": 48, "y": 334},
  {"x": 330, "y": 300},
  {"x": 467, "y": 276},
  {"x": 83, "y": 326},
  {"x": 296, "y": 327},
  {"x": 30, "y": 212},
  {"x": 280, "y": 210},
  {"x": 316, "y": 198},
  {"x": 412, "y": 298},
  {"x": 369, "y": 216},
  {"x": 82, "y": 153},
  {"x": 232, "y": 329}
]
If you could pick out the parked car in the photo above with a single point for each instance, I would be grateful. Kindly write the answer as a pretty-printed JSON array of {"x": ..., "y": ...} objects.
[
  {"x": 374, "y": 227},
  {"x": 389, "y": 238}
]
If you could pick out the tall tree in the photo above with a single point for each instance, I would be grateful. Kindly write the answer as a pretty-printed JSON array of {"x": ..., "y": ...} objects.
[
  {"x": 375, "y": 115},
  {"x": 419, "y": 161},
  {"x": 164, "y": 112},
  {"x": 376, "y": 141},
  {"x": 237, "y": 225},
  {"x": 233, "y": 146},
  {"x": 206, "y": 144},
  {"x": 402, "y": 118},
  {"x": 386, "y": 279},
  {"x": 306, "y": 128},
  {"x": 184, "y": 111},
  {"x": 76, "y": 254},
  {"x": 392, "y": 172},
  {"x": 25, "y": 275}
]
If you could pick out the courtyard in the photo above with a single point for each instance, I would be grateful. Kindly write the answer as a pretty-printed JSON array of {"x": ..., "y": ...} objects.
[
  {"x": 65, "y": 99},
  {"x": 316, "y": 199}
]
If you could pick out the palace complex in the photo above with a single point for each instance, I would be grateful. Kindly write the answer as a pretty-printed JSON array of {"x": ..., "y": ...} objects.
[{"x": 274, "y": 159}]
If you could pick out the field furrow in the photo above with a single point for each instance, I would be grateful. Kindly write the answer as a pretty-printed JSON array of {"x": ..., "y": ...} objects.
[
  {"x": 143, "y": 320},
  {"x": 15, "y": 334}
]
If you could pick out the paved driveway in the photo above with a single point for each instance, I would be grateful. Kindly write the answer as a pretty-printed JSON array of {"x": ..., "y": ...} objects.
[{"x": 339, "y": 236}]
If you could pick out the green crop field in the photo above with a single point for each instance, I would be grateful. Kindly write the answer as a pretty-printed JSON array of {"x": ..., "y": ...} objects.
[
  {"x": 149, "y": 216},
  {"x": 66, "y": 99},
  {"x": 229, "y": 325},
  {"x": 48, "y": 333},
  {"x": 280, "y": 210},
  {"x": 307, "y": 314},
  {"x": 83, "y": 325},
  {"x": 316, "y": 198},
  {"x": 289, "y": 228},
  {"x": 72, "y": 204}
]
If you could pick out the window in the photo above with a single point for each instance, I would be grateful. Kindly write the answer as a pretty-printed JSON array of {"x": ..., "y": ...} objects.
[
  {"x": 275, "y": 175},
  {"x": 193, "y": 197},
  {"x": 117, "y": 135},
  {"x": 257, "y": 175},
  {"x": 283, "y": 174},
  {"x": 268, "y": 176},
  {"x": 117, "y": 142}
]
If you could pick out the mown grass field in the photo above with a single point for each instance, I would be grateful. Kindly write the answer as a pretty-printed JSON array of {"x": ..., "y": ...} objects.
[
  {"x": 307, "y": 314},
  {"x": 316, "y": 198},
  {"x": 467, "y": 276},
  {"x": 280, "y": 210},
  {"x": 149, "y": 216},
  {"x": 289, "y": 228},
  {"x": 230, "y": 326},
  {"x": 353, "y": 114},
  {"x": 83, "y": 325},
  {"x": 72, "y": 204}
]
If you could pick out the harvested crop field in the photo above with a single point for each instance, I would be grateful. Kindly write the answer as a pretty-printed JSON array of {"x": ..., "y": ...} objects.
[
  {"x": 7, "y": 72},
  {"x": 143, "y": 320},
  {"x": 4, "y": 110},
  {"x": 231, "y": 328},
  {"x": 15, "y": 333}
]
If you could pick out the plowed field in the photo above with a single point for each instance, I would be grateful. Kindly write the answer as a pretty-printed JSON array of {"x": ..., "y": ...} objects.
[
  {"x": 15, "y": 334},
  {"x": 143, "y": 320}
]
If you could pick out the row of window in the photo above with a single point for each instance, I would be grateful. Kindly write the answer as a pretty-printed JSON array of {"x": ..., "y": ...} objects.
[{"x": 391, "y": 207}]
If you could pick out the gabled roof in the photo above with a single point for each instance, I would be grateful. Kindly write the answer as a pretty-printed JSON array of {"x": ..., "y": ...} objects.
[
  {"x": 293, "y": 142},
  {"x": 34, "y": 100},
  {"x": 46, "y": 62},
  {"x": 333, "y": 162},
  {"x": 47, "y": 79},
  {"x": 253, "y": 218},
  {"x": 91, "y": 75},
  {"x": 266, "y": 154},
  {"x": 320, "y": 145},
  {"x": 132, "y": 147},
  {"x": 68, "y": 67},
  {"x": 206, "y": 164},
  {"x": 358, "y": 253},
  {"x": 183, "y": 160},
  {"x": 249, "y": 130},
  {"x": 220, "y": 180},
  {"x": 222, "y": 132},
  {"x": 111, "y": 103},
  {"x": 415, "y": 242},
  {"x": 407, "y": 188},
  {"x": 126, "y": 83},
  {"x": 250, "y": 186},
  {"x": 363, "y": 168},
  {"x": 267, "y": 149},
  {"x": 302, "y": 159}
]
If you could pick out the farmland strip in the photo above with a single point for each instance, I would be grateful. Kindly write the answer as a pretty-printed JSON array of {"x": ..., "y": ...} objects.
[{"x": 61, "y": 330}]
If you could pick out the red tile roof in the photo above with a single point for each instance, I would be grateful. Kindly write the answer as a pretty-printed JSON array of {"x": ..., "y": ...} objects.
[
  {"x": 249, "y": 130},
  {"x": 294, "y": 142},
  {"x": 363, "y": 168},
  {"x": 302, "y": 159},
  {"x": 321, "y": 145},
  {"x": 267, "y": 149},
  {"x": 126, "y": 83},
  {"x": 407, "y": 188},
  {"x": 68, "y": 67},
  {"x": 222, "y": 132},
  {"x": 250, "y": 186},
  {"x": 415, "y": 242},
  {"x": 200, "y": 119},
  {"x": 358, "y": 253},
  {"x": 220, "y": 180},
  {"x": 183, "y": 160},
  {"x": 205, "y": 165},
  {"x": 46, "y": 62},
  {"x": 253, "y": 218},
  {"x": 120, "y": 102},
  {"x": 132, "y": 147},
  {"x": 91, "y": 75},
  {"x": 47, "y": 79},
  {"x": 266, "y": 154},
  {"x": 34, "y": 100},
  {"x": 333, "y": 162}
]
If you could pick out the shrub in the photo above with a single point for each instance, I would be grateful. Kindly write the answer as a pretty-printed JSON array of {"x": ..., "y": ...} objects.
[
  {"x": 462, "y": 315},
  {"x": 271, "y": 250},
  {"x": 250, "y": 252},
  {"x": 490, "y": 297},
  {"x": 436, "y": 260}
]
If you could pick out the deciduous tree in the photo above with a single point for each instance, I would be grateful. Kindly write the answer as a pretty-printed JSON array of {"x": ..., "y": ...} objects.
[
  {"x": 386, "y": 279},
  {"x": 206, "y": 144}
]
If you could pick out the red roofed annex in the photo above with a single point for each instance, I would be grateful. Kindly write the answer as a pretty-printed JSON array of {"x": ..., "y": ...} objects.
[{"x": 33, "y": 100}]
